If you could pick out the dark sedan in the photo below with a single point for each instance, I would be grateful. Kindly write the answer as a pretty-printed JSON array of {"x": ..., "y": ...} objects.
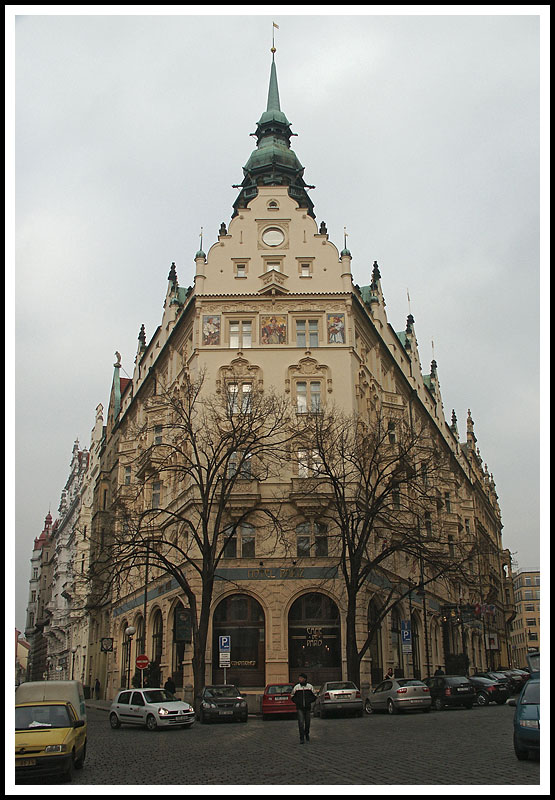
[
  {"x": 450, "y": 690},
  {"x": 488, "y": 691},
  {"x": 497, "y": 676},
  {"x": 222, "y": 702}
]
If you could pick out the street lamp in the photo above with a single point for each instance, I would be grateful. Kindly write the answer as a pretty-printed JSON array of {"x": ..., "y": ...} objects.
[
  {"x": 129, "y": 632},
  {"x": 73, "y": 650}
]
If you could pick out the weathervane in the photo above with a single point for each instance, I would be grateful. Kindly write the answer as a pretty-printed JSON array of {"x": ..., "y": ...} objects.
[
  {"x": 273, "y": 50},
  {"x": 345, "y": 234},
  {"x": 200, "y": 237}
]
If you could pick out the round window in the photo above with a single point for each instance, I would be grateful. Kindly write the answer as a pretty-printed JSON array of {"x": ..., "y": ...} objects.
[{"x": 273, "y": 237}]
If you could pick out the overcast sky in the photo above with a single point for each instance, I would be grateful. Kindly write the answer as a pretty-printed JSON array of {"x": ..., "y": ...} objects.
[{"x": 421, "y": 135}]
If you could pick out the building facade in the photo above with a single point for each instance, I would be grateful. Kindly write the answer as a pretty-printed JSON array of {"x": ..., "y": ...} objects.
[
  {"x": 274, "y": 306},
  {"x": 525, "y": 629},
  {"x": 40, "y": 586}
]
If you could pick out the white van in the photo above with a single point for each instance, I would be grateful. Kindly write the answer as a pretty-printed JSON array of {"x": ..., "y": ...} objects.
[{"x": 66, "y": 691}]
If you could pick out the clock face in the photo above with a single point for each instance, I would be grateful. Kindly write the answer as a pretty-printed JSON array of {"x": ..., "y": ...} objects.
[{"x": 273, "y": 237}]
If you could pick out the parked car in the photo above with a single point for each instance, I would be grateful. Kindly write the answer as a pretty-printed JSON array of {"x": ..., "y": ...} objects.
[
  {"x": 50, "y": 740},
  {"x": 526, "y": 721},
  {"x": 488, "y": 691},
  {"x": 338, "y": 696},
  {"x": 399, "y": 694},
  {"x": 221, "y": 702},
  {"x": 523, "y": 672},
  {"x": 153, "y": 707},
  {"x": 496, "y": 676},
  {"x": 450, "y": 690},
  {"x": 276, "y": 700},
  {"x": 516, "y": 677}
]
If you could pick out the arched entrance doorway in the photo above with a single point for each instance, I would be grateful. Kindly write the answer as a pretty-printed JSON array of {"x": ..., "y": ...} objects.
[
  {"x": 241, "y": 617},
  {"x": 314, "y": 639},
  {"x": 375, "y": 648}
]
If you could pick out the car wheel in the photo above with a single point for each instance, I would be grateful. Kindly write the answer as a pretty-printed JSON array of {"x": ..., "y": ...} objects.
[
  {"x": 81, "y": 760},
  {"x": 151, "y": 723},
  {"x": 438, "y": 704},
  {"x": 368, "y": 708},
  {"x": 114, "y": 721},
  {"x": 520, "y": 753},
  {"x": 391, "y": 707},
  {"x": 482, "y": 699}
]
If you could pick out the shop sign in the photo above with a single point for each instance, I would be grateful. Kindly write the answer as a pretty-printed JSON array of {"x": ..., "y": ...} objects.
[{"x": 314, "y": 636}]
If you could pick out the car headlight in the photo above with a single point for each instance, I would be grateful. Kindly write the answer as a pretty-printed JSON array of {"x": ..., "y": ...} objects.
[
  {"x": 55, "y": 748},
  {"x": 205, "y": 704},
  {"x": 163, "y": 712},
  {"x": 529, "y": 723}
]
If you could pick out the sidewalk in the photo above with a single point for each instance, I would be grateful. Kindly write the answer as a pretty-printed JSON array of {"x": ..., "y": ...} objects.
[{"x": 99, "y": 705}]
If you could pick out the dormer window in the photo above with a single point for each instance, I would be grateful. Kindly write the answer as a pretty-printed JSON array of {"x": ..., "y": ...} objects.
[
  {"x": 273, "y": 204},
  {"x": 241, "y": 271}
]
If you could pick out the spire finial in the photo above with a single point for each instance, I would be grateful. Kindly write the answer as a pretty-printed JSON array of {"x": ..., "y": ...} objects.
[
  {"x": 408, "y": 298},
  {"x": 273, "y": 48},
  {"x": 201, "y": 237}
]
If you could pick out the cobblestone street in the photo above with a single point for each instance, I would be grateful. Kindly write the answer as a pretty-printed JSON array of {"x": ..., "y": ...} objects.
[{"x": 456, "y": 746}]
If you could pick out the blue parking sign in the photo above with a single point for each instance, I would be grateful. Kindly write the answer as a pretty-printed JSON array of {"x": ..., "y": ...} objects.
[{"x": 225, "y": 644}]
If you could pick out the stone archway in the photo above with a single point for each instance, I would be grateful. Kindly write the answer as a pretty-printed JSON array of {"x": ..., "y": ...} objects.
[
  {"x": 242, "y": 618},
  {"x": 314, "y": 638}
]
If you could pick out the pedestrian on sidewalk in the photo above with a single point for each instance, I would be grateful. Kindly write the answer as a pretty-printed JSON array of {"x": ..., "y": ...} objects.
[
  {"x": 169, "y": 686},
  {"x": 439, "y": 671},
  {"x": 389, "y": 674},
  {"x": 97, "y": 689},
  {"x": 303, "y": 696}
]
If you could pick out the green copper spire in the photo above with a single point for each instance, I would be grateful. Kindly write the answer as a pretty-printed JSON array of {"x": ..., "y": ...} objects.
[{"x": 273, "y": 163}]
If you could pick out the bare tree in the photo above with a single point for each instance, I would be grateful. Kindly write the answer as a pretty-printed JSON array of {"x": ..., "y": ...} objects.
[
  {"x": 380, "y": 482},
  {"x": 196, "y": 481}
]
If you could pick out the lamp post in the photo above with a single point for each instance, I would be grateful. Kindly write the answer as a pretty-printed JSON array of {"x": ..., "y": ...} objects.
[
  {"x": 73, "y": 651},
  {"x": 129, "y": 632}
]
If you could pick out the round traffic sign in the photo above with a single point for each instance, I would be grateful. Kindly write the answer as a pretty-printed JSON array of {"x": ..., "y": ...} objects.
[{"x": 142, "y": 662}]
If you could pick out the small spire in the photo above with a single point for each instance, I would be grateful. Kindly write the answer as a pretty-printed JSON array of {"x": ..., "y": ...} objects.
[
  {"x": 142, "y": 337},
  {"x": 173, "y": 273},
  {"x": 200, "y": 252},
  {"x": 223, "y": 230},
  {"x": 118, "y": 359},
  {"x": 454, "y": 423},
  {"x": 410, "y": 323},
  {"x": 345, "y": 251},
  {"x": 433, "y": 368},
  {"x": 375, "y": 274},
  {"x": 323, "y": 228}
]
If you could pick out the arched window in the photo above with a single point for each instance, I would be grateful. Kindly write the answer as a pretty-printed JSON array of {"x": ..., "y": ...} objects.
[
  {"x": 157, "y": 633},
  {"x": 241, "y": 617},
  {"x": 182, "y": 635},
  {"x": 315, "y": 638}
]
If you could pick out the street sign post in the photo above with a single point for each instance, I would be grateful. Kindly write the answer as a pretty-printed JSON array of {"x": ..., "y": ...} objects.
[
  {"x": 225, "y": 654},
  {"x": 406, "y": 636},
  {"x": 142, "y": 663}
]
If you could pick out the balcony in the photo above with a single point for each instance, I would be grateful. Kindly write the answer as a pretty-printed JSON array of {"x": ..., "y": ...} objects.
[{"x": 310, "y": 495}]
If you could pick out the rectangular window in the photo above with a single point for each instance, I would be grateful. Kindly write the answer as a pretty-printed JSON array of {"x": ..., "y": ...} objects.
[
  {"x": 230, "y": 548},
  {"x": 467, "y": 526},
  {"x": 532, "y": 636},
  {"x": 156, "y": 490},
  {"x": 531, "y": 622},
  {"x": 428, "y": 523},
  {"x": 537, "y": 581},
  {"x": 273, "y": 265},
  {"x": 391, "y": 433},
  {"x": 33, "y": 597},
  {"x": 240, "y": 335},
  {"x": 241, "y": 270},
  {"x": 321, "y": 540},
  {"x": 396, "y": 499},
  {"x": 239, "y": 397},
  {"x": 305, "y": 270},
  {"x": 424, "y": 474},
  {"x": 303, "y": 545},
  {"x": 157, "y": 434},
  {"x": 307, "y": 332},
  {"x": 447, "y": 502},
  {"x": 528, "y": 595},
  {"x": 248, "y": 541},
  {"x": 104, "y": 498},
  {"x": 309, "y": 462},
  {"x": 529, "y": 607},
  {"x": 308, "y": 396},
  {"x": 451, "y": 546},
  {"x": 528, "y": 580},
  {"x": 35, "y": 574},
  {"x": 127, "y": 478}
]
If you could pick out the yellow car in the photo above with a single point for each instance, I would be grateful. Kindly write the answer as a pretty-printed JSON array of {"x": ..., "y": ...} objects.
[{"x": 50, "y": 740}]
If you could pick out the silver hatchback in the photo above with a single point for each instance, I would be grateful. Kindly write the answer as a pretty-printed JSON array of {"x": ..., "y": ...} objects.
[
  {"x": 399, "y": 694},
  {"x": 338, "y": 696},
  {"x": 154, "y": 708}
]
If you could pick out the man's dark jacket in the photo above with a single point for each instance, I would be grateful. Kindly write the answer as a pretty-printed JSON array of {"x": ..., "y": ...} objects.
[{"x": 304, "y": 696}]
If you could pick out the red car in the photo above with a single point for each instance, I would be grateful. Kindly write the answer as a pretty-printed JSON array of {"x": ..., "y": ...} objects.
[{"x": 277, "y": 700}]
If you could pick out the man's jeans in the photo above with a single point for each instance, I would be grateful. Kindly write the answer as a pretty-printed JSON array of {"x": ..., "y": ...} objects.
[{"x": 303, "y": 718}]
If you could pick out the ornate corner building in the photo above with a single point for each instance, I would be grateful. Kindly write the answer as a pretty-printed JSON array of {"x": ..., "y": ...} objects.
[{"x": 274, "y": 306}]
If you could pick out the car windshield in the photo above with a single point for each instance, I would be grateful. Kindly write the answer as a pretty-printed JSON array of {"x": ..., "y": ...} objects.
[
  {"x": 158, "y": 696},
  {"x": 499, "y": 674},
  {"x": 284, "y": 688},
  {"x": 221, "y": 691},
  {"x": 531, "y": 694},
  {"x": 410, "y": 682},
  {"x": 484, "y": 681},
  {"x": 30, "y": 717},
  {"x": 457, "y": 681},
  {"x": 341, "y": 685}
]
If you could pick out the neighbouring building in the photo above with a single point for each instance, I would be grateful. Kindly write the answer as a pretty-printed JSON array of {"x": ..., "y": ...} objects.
[
  {"x": 22, "y": 648},
  {"x": 273, "y": 304},
  {"x": 40, "y": 586},
  {"x": 525, "y": 629}
]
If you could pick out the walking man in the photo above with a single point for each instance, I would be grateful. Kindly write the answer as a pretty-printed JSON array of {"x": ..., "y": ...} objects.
[
  {"x": 97, "y": 689},
  {"x": 303, "y": 696}
]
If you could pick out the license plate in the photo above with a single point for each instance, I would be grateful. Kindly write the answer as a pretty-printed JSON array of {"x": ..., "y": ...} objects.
[
  {"x": 26, "y": 762},
  {"x": 225, "y": 712},
  {"x": 280, "y": 699},
  {"x": 463, "y": 689},
  {"x": 415, "y": 701}
]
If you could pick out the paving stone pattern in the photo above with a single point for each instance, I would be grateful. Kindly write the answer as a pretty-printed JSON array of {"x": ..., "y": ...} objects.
[{"x": 453, "y": 747}]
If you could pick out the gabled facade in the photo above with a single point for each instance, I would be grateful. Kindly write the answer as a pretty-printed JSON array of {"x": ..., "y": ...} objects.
[{"x": 274, "y": 305}]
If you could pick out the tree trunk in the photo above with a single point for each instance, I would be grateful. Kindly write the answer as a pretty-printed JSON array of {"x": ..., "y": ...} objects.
[{"x": 353, "y": 661}]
